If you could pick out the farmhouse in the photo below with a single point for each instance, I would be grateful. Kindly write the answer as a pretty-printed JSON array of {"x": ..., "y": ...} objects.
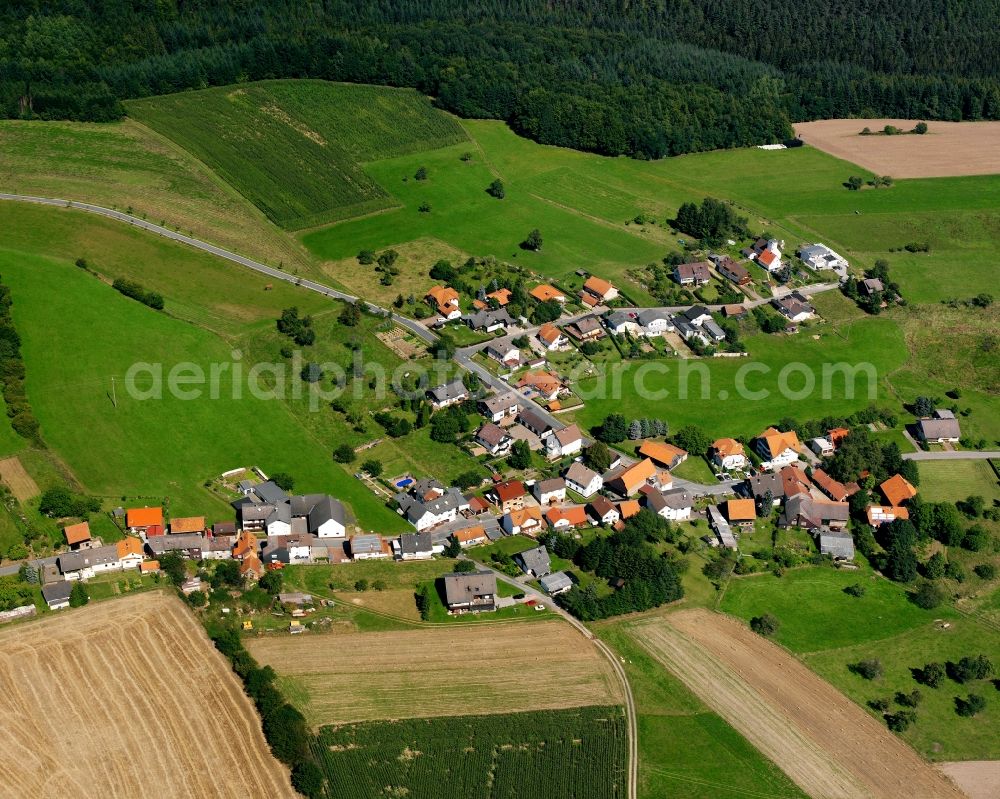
[
  {"x": 794, "y": 481},
  {"x": 218, "y": 547},
  {"x": 471, "y": 536},
  {"x": 445, "y": 300},
  {"x": 251, "y": 568},
  {"x": 77, "y": 535},
  {"x": 603, "y": 511},
  {"x": 499, "y": 406},
  {"x": 795, "y": 307},
  {"x": 494, "y": 440},
  {"x": 246, "y": 544},
  {"x": 130, "y": 552},
  {"x": 731, "y": 270},
  {"x": 508, "y": 496},
  {"x": 838, "y": 544},
  {"x": 470, "y": 592},
  {"x": 776, "y": 448},
  {"x": 556, "y": 583},
  {"x": 655, "y": 322},
  {"x": 534, "y": 561},
  {"x": 523, "y": 521},
  {"x": 369, "y": 546},
  {"x": 448, "y": 394},
  {"x": 281, "y": 514},
  {"x": 761, "y": 485},
  {"x": 551, "y": 337},
  {"x": 727, "y": 453},
  {"x": 811, "y": 514},
  {"x": 85, "y": 563},
  {"x": 696, "y": 274},
  {"x": 897, "y": 490},
  {"x": 550, "y": 491},
  {"x": 139, "y": 519},
  {"x": 585, "y": 482},
  {"x": 295, "y": 548},
  {"x": 942, "y": 427},
  {"x": 191, "y": 545},
  {"x": 587, "y": 328},
  {"x": 564, "y": 443},
  {"x": 545, "y": 293},
  {"x": 567, "y": 518},
  {"x": 490, "y": 321},
  {"x": 187, "y": 524},
  {"x": 663, "y": 453},
  {"x": 819, "y": 257},
  {"x": 416, "y": 546},
  {"x": 56, "y": 595},
  {"x": 630, "y": 480},
  {"x": 834, "y": 489},
  {"x": 595, "y": 291}
]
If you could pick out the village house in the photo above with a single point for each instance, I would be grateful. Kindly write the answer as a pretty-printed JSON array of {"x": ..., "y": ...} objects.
[
  {"x": 767, "y": 254},
  {"x": 882, "y": 514},
  {"x": 272, "y": 510},
  {"x": 415, "y": 546},
  {"x": 603, "y": 511},
  {"x": 822, "y": 446},
  {"x": 557, "y": 583},
  {"x": 139, "y": 519},
  {"x": 565, "y": 442},
  {"x": 85, "y": 563},
  {"x": 536, "y": 423},
  {"x": 550, "y": 491},
  {"x": 734, "y": 311},
  {"x": 251, "y": 568},
  {"x": 674, "y": 505},
  {"x": 489, "y": 321},
  {"x": 834, "y": 489},
  {"x": 495, "y": 299},
  {"x": 508, "y": 496},
  {"x": 431, "y": 508},
  {"x": 523, "y": 521},
  {"x": 499, "y": 406},
  {"x": 369, "y": 546},
  {"x": 448, "y": 394},
  {"x": 587, "y": 328},
  {"x": 187, "y": 524},
  {"x": 190, "y": 545},
  {"x": 494, "y": 440},
  {"x": 471, "y": 537},
  {"x": 728, "y": 453},
  {"x": 741, "y": 513},
  {"x": 56, "y": 595},
  {"x": 734, "y": 271},
  {"x": 584, "y": 481},
  {"x": 130, "y": 553},
  {"x": 627, "y": 509},
  {"x": 655, "y": 322},
  {"x": 696, "y": 274},
  {"x": 445, "y": 300},
  {"x": 217, "y": 547},
  {"x": 837, "y": 435},
  {"x": 289, "y": 549},
  {"x": 811, "y": 514},
  {"x": 897, "y": 490},
  {"x": 838, "y": 544},
  {"x": 794, "y": 481},
  {"x": 622, "y": 322},
  {"x": 596, "y": 291},
  {"x": 220, "y": 529},
  {"x": 567, "y": 518},
  {"x": 245, "y": 545},
  {"x": 505, "y": 353},
  {"x": 77, "y": 535},
  {"x": 551, "y": 337},
  {"x": 547, "y": 385},
  {"x": 794, "y": 307},
  {"x": 696, "y": 315},
  {"x": 663, "y": 453},
  {"x": 870, "y": 286},
  {"x": 470, "y": 592},
  {"x": 941, "y": 428},
  {"x": 723, "y": 531},
  {"x": 777, "y": 449},
  {"x": 820, "y": 257},
  {"x": 546, "y": 293},
  {"x": 534, "y": 561},
  {"x": 763, "y": 484},
  {"x": 628, "y": 481}
]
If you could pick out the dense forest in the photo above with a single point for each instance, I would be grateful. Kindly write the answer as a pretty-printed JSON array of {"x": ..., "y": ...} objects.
[{"x": 646, "y": 78}]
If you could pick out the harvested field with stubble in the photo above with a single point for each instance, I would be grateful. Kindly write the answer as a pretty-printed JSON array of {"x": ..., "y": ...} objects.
[
  {"x": 19, "y": 482},
  {"x": 489, "y": 668},
  {"x": 947, "y": 149},
  {"x": 129, "y": 699},
  {"x": 824, "y": 742}
]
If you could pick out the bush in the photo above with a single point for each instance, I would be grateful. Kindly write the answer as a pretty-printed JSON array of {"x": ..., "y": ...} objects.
[
  {"x": 344, "y": 454},
  {"x": 308, "y": 779},
  {"x": 868, "y": 669},
  {"x": 911, "y": 699},
  {"x": 970, "y": 668},
  {"x": 898, "y": 722},
  {"x": 361, "y": 585},
  {"x": 976, "y": 539},
  {"x": 372, "y": 467},
  {"x": 132, "y": 289},
  {"x": 985, "y": 571},
  {"x": 78, "y": 596},
  {"x": 879, "y": 705},
  {"x": 283, "y": 480},
  {"x": 969, "y": 706},
  {"x": 766, "y": 625},
  {"x": 928, "y": 595},
  {"x": 463, "y": 566},
  {"x": 496, "y": 189},
  {"x": 855, "y": 590}
]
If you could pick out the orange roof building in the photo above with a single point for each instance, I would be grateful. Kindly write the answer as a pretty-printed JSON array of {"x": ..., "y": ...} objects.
[
  {"x": 470, "y": 535},
  {"x": 879, "y": 515},
  {"x": 767, "y": 258},
  {"x": 897, "y": 489},
  {"x": 575, "y": 516},
  {"x": 727, "y": 447},
  {"x": 130, "y": 546},
  {"x": 774, "y": 442},
  {"x": 545, "y": 292},
  {"x": 546, "y": 383},
  {"x": 251, "y": 567},
  {"x": 245, "y": 545},
  {"x": 549, "y": 333},
  {"x": 629, "y": 508},
  {"x": 663, "y": 453},
  {"x": 741, "y": 510},
  {"x": 149, "y": 566},
  {"x": 836, "y": 435},
  {"x": 633, "y": 478},
  {"x": 77, "y": 533},
  {"x": 187, "y": 524},
  {"x": 445, "y": 298},
  {"x": 502, "y": 296},
  {"x": 600, "y": 288},
  {"x": 527, "y": 519},
  {"x": 141, "y": 518}
]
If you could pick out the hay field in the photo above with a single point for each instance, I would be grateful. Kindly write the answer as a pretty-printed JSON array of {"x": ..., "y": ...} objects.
[
  {"x": 947, "y": 149},
  {"x": 17, "y": 479},
  {"x": 127, "y": 698},
  {"x": 489, "y": 668},
  {"x": 824, "y": 742}
]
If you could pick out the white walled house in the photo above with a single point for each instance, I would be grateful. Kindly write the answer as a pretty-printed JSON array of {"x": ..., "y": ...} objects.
[
  {"x": 583, "y": 481},
  {"x": 549, "y": 491}
]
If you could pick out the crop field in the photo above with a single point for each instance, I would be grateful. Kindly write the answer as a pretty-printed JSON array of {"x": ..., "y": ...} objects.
[
  {"x": 948, "y": 148},
  {"x": 320, "y": 131},
  {"x": 127, "y": 698},
  {"x": 552, "y": 754},
  {"x": 416, "y": 673},
  {"x": 125, "y": 165},
  {"x": 154, "y": 447},
  {"x": 823, "y": 742}
]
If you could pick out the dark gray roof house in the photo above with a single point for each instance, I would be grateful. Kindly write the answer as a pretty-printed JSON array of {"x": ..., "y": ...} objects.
[
  {"x": 696, "y": 313},
  {"x": 534, "y": 561},
  {"x": 500, "y": 403},
  {"x": 556, "y": 583},
  {"x": 470, "y": 591},
  {"x": 56, "y": 595},
  {"x": 89, "y": 558},
  {"x": 487, "y": 320},
  {"x": 270, "y": 493},
  {"x": 449, "y": 393},
  {"x": 942, "y": 427},
  {"x": 870, "y": 285},
  {"x": 414, "y": 544},
  {"x": 535, "y": 422},
  {"x": 191, "y": 544}
]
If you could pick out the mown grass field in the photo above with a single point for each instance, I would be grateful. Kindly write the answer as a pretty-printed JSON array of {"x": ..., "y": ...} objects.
[
  {"x": 829, "y": 630},
  {"x": 560, "y": 754},
  {"x": 293, "y": 147},
  {"x": 950, "y": 481},
  {"x": 685, "y": 749}
]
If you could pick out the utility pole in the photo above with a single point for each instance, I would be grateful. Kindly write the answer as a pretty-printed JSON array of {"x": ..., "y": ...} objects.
[{"x": 114, "y": 397}]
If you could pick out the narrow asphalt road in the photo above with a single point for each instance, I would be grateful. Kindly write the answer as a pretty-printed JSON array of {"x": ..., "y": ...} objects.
[
  {"x": 964, "y": 455},
  {"x": 613, "y": 659}
]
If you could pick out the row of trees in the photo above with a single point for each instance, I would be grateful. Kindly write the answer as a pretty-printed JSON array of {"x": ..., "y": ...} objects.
[
  {"x": 12, "y": 373},
  {"x": 134, "y": 290}
]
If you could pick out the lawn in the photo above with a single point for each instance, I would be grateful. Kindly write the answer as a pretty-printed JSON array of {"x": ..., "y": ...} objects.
[
  {"x": 162, "y": 448},
  {"x": 949, "y": 481},
  {"x": 815, "y": 614},
  {"x": 293, "y": 148},
  {"x": 676, "y": 731}
]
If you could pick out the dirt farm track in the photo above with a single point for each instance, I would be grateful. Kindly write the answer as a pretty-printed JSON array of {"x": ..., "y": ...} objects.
[
  {"x": 825, "y": 743},
  {"x": 127, "y": 698},
  {"x": 948, "y": 148}
]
